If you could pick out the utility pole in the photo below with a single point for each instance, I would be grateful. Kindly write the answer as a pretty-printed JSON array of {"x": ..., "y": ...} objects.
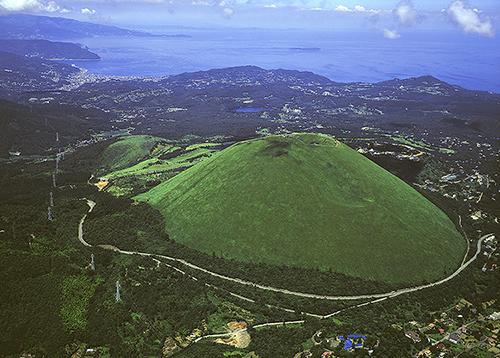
[
  {"x": 50, "y": 214},
  {"x": 117, "y": 294},
  {"x": 92, "y": 262}
]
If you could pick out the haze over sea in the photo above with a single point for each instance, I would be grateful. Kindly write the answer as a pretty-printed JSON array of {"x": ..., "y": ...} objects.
[{"x": 469, "y": 61}]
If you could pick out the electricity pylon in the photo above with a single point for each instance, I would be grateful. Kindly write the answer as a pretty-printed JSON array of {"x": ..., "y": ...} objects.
[
  {"x": 117, "y": 293},
  {"x": 50, "y": 214}
]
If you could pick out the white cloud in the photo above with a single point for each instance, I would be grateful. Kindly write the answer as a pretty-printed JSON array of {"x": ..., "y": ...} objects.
[
  {"x": 87, "y": 11},
  {"x": 30, "y": 5},
  {"x": 468, "y": 19},
  {"x": 228, "y": 12},
  {"x": 405, "y": 13},
  {"x": 342, "y": 8},
  {"x": 391, "y": 34},
  {"x": 356, "y": 8}
]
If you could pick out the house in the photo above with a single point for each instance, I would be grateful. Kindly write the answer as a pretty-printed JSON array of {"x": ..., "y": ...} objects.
[
  {"x": 333, "y": 342},
  {"x": 425, "y": 353},
  {"x": 494, "y": 316},
  {"x": 413, "y": 336},
  {"x": 441, "y": 346},
  {"x": 441, "y": 330},
  {"x": 454, "y": 338}
]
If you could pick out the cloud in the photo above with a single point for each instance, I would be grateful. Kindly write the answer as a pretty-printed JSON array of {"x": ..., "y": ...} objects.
[
  {"x": 469, "y": 20},
  {"x": 356, "y": 8},
  {"x": 342, "y": 8},
  {"x": 405, "y": 13},
  {"x": 30, "y": 5},
  {"x": 391, "y": 34},
  {"x": 228, "y": 12},
  {"x": 87, "y": 11}
]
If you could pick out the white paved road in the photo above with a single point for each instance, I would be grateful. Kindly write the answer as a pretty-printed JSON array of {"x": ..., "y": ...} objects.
[
  {"x": 285, "y": 291},
  {"x": 374, "y": 298}
]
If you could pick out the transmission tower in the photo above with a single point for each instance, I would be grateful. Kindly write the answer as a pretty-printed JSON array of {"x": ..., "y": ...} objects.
[
  {"x": 92, "y": 264},
  {"x": 50, "y": 214},
  {"x": 117, "y": 293}
]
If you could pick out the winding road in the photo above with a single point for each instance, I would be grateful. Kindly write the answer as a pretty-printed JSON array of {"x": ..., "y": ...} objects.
[
  {"x": 373, "y": 298},
  {"x": 394, "y": 293}
]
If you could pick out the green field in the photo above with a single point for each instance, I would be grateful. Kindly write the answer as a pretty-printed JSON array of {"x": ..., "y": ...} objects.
[
  {"x": 308, "y": 200},
  {"x": 134, "y": 162},
  {"x": 127, "y": 151},
  {"x": 156, "y": 165}
]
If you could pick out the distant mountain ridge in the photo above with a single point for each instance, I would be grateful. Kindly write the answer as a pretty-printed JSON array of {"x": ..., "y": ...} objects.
[
  {"x": 47, "y": 49},
  {"x": 23, "y": 26},
  {"x": 304, "y": 98}
]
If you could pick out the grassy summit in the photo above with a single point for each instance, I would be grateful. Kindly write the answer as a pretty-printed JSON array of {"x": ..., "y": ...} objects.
[{"x": 308, "y": 200}]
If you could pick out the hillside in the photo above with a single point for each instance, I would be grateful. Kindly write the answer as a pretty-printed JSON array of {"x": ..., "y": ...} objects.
[
  {"x": 307, "y": 200},
  {"x": 32, "y": 129},
  {"x": 46, "y": 49},
  {"x": 24, "y": 26},
  {"x": 127, "y": 151}
]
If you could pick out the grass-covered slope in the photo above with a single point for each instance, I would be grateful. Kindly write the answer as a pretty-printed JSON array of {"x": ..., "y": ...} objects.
[
  {"x": 307, "y": 200},
  {"x": 137, "y": 163},
  {"x": 127, "y": 151}
]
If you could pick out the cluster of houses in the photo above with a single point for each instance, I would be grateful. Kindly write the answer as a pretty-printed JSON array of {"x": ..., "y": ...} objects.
[
  {"x": 490, "y": 254},
  {"x": 330, "y": 347},
  {"x": 459, "y": 329}
]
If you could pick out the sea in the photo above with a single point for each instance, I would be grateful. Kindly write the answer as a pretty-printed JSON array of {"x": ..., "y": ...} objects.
[{"x": 470, "y": 61}]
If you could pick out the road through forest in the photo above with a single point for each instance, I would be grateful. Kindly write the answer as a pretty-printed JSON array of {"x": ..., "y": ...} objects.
[{"x": 377, "y": 297}]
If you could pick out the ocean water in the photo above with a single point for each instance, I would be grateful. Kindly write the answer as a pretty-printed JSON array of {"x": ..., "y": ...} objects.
[{"x": 466, "y": 60}]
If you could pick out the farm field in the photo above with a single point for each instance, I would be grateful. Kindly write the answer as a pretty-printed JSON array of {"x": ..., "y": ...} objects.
[{"x": 307, "y": 200}]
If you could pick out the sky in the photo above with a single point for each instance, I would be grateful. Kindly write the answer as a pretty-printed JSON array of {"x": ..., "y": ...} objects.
[{"x": 392, "y": 19}]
